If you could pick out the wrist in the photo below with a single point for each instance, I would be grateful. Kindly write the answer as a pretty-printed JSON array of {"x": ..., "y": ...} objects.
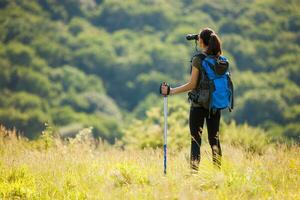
[{"x": 171, "y": 91}]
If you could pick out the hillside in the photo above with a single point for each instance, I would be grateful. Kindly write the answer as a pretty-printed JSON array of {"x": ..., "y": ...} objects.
[{"x": 76, "y": 64}]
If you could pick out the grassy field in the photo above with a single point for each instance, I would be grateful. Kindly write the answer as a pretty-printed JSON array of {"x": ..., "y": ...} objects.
[{"x": 82, "y": 169}]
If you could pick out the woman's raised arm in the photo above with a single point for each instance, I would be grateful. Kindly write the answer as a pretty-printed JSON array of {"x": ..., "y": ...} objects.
[{"x": 192, "y": 84}]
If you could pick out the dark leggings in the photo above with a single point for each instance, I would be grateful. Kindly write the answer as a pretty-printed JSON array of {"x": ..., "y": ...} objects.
[{"x": 196, "y": 121}]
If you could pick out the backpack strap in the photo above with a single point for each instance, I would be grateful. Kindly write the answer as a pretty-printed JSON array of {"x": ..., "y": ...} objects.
[
  {"x": 202, "y": 56},
  {"x": 232, "y": 94}
]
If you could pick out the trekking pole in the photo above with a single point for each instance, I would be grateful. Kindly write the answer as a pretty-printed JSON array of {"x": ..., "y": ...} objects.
[{"x": 165, "y": 133}]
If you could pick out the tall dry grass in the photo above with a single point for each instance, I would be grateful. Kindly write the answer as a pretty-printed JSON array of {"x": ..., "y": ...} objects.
[{"x": 50, "y": 168}]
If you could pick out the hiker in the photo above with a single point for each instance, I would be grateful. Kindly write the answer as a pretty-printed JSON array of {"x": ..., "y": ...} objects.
[{"x": 210, "y": 44}]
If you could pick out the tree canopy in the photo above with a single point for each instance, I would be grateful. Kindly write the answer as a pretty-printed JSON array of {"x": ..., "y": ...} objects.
[{"x": 98, "y": 63}]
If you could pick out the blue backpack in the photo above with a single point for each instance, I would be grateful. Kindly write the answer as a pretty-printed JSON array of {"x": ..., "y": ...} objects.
[
  {"x": 215, "y": 89},
  {"x": 221, "y": 86}
]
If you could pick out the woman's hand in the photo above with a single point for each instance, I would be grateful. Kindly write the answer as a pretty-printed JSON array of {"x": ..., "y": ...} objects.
[{"x": 165, "y": 89}]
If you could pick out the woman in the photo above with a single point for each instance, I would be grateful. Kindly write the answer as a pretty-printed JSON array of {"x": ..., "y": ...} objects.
[{"x": 210, "y": 44}]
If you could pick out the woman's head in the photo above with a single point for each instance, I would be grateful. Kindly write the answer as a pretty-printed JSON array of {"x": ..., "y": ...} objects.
[{"x": 209, "y": 40}]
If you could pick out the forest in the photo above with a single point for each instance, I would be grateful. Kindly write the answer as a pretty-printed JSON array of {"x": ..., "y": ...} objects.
[
  {"x": 75, "y": 64},
  {"x": 81, "y": 116}
]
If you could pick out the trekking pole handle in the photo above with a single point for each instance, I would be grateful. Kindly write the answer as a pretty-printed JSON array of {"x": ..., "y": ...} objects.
[{"x": 165, "y": 84}]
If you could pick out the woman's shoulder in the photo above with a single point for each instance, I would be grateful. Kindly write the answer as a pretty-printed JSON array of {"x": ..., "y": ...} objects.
[
  {"x": 197, "y": 59},
  {"x": 196, "y": 62}
]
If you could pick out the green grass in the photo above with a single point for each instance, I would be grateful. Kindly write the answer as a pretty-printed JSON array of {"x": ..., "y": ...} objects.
[{"x": 80, "y": 169}]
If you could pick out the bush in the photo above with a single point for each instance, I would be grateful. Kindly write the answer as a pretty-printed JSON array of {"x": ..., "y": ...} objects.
[
  {"x": 23, "y": 101},
  {"x": 116, "y": 15},
  {"x": 253, "y": 140},
  {"x": 5, "y": 74},
  {"x": 148, "y": 133},
  {"x": 256, "y": 107},
  {"x": 292, "y": 131},
  {"x": 63, "y": 115},
  {"x": 30, "y": 123},
  {"x": 53, "y": 52},
  {"x": 26, "y": 79},
  {"x": 74, "y": 80},
  {"x": 20, "y": 54}
]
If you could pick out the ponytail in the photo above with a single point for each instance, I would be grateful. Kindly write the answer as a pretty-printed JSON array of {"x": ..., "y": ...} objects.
[
  {"x": 212, "y": 41},
  {"x": 214, "y": 45}
]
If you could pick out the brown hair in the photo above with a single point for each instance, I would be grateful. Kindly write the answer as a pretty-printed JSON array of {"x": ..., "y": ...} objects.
[{"x": 211, "y": 40}]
